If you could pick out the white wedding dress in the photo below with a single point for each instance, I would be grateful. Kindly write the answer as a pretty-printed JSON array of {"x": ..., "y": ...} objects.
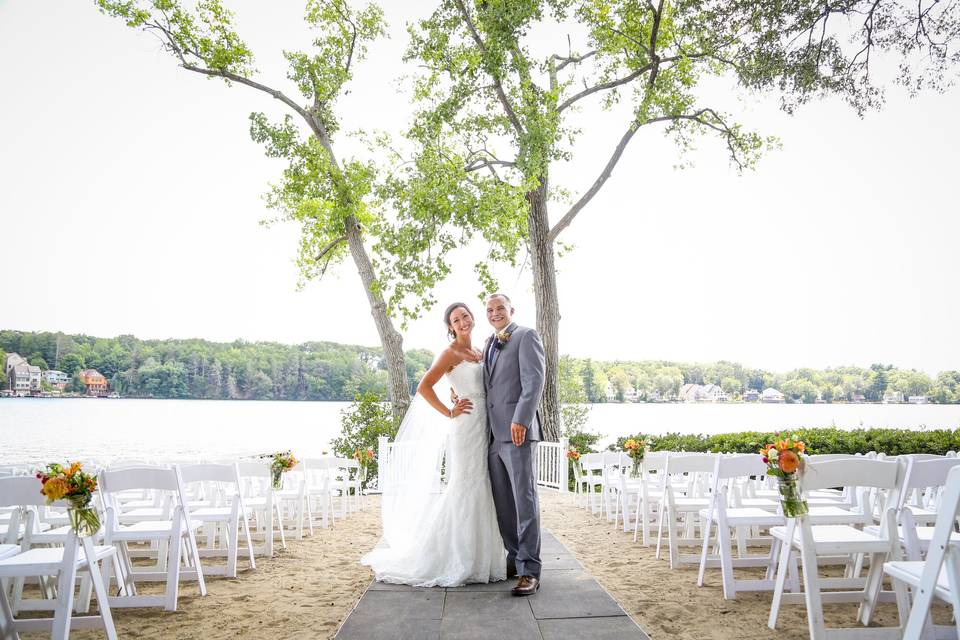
[{"x": 455, "y": 540}]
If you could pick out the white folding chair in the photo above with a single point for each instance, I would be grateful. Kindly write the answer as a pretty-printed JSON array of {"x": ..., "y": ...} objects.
[
  {"x": 318, "y": 477},
  {"x": 258, "y": 495},
  {"x": 677, "y": 512},
  {"x": 223, "y": 512},
  {"x": 653, "y": 481},
  {"x": 743, "y": 520},
  {"x": 812, "y": 541},
  {"x": 174, "y": 533},
  {"x": 592, "y": 465},
  {"x": 62, "y": 562},
  {"x": 937, "y": 576}
]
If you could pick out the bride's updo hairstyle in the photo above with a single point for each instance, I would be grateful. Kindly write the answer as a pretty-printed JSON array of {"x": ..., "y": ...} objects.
[{"x": 446, "y": 317}]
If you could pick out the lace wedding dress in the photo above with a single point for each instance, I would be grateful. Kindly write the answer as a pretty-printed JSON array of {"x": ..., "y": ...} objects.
[{"x": 454, "y": 540}]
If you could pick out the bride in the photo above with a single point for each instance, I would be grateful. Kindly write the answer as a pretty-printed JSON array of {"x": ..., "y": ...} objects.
[{"x": 434, "y": 536}]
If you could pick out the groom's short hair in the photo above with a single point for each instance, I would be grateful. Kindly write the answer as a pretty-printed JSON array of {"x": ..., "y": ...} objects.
[{"x": 501, "y": 295}]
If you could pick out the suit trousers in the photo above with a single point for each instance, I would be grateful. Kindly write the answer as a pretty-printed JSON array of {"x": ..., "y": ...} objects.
[{"x": 513, "y": 476}]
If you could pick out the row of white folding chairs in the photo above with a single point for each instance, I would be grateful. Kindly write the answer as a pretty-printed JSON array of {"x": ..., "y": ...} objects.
[{"x": 135, "y": 512}]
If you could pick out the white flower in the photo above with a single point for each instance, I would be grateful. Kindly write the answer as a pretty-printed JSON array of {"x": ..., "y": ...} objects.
[{"x": 772, "y": 455}]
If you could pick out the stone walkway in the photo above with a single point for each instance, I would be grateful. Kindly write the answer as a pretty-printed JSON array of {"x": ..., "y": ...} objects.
[{"x": 569, "y": 606}]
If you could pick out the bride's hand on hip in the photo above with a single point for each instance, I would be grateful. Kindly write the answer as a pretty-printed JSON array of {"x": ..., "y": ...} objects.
[{"x": 461, "y": 406}]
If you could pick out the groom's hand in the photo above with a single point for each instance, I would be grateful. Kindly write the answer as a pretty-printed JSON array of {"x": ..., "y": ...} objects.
[{"x": 518, "y": 433}]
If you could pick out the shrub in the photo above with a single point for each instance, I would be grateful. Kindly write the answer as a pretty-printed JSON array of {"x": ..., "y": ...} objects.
[
  {"x": 818, "y": 440},
  {"x": 363, "y": 422}
]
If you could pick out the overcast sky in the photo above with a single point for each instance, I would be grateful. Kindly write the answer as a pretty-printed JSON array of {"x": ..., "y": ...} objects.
[{"x": 130, "y": 197}]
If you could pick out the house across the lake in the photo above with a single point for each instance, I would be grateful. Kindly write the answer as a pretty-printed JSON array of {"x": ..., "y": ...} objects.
[
  {"x": 751, "y": 395},
  {"x": 701, "y": 393},
  {"x": 95, "y": 382},
  {"x": 23, "y": 378},
  {"x": 772, "y": 396}
]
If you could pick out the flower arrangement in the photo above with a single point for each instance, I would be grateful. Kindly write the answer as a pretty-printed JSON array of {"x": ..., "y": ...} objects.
[
  {"x": 636, "y": 449},
  {"x": 574, "y": 457},
  {"x": 73, "y": 484},
  {"x": 281, "y": 462},
  {"x": 365, "y": 457},
  {"x": 784, "y": 460}
]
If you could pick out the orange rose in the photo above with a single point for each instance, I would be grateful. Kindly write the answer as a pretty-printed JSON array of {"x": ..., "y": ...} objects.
[{"x": 789, "y": 462}]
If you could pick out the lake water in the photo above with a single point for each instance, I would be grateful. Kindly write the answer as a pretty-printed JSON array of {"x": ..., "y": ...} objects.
[{"x": 33, "y": 429}]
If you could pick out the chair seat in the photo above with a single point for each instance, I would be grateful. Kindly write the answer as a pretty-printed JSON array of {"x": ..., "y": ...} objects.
[
  {"x": 53, "y": 536},
  {"x": 767, "y": 504},
  {"x": 749, "y": 516},
  {"x": 923, "y": 516},
  {"x": 7, "y": 550},
  {"x": 148, "y": 529},
  {"x": 690, "y": 504},
  {"x": 46, "y": 561},
  {"x": 837, "y": 539},
  {"x": 924, "y": 534},
  {"x": 833, "y": 515},
  {"x": 144, "y": 513},
  {"x": 910, "y": 572},
  {"x": 212, "y": 514}
]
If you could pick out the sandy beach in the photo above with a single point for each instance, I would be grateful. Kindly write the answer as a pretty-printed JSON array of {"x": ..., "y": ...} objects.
[{"x": 308, "y": 590}]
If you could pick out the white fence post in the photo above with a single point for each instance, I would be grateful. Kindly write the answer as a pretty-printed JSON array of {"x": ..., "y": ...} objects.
[{"x": 564, "y": 465}]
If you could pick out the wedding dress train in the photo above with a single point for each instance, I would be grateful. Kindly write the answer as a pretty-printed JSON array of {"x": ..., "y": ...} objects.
[{"x": 453, "y": 539}]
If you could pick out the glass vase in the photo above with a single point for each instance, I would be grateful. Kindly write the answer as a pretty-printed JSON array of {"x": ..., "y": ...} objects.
[
  {"x": 83, "y": 518},
  {"x": 276, "y": 478},
  {"x": 635, "y": 468},
  {"x": 791, "y": 497}
]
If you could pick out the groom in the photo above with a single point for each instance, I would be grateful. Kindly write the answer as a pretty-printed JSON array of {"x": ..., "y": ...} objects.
[{"x": 513, "y": 379}]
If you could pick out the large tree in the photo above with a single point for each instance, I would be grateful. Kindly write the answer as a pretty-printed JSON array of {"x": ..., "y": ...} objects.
[
  {"x": 489, "y": 95},
  {"x": 331, "y": 197}
]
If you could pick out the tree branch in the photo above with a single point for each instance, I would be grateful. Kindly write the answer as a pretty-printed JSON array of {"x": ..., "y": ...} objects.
[
  {"x": 572, "y": 59},
  {"x": 603, "y": 86},
  {"x": 698, "y": 116},
  {"x": 498, "y": 86},
  {"x": 330, "y": 247}
]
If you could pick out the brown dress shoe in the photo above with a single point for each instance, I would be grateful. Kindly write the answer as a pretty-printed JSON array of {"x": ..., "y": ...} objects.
[{"x": 526, "y": 586}]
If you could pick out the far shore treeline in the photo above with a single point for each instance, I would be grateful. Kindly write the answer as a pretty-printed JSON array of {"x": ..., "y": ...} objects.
[{"x": 241, "y": 370}]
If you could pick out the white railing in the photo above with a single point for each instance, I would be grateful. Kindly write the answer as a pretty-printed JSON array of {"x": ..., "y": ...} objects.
[{"x": 552, "y": 466}]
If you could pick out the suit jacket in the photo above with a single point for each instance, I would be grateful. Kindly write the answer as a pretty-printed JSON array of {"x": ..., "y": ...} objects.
[{"x": 514, "y": 382}]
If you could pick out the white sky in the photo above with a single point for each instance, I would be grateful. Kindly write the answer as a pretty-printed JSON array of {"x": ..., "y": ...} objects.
[{"x": 130, "y": 195}]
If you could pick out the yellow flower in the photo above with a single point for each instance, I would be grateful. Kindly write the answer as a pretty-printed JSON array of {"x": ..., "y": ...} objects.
[{"x": 55, "y": 489}]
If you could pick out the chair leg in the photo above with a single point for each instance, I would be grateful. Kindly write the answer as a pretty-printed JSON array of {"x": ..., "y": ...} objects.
[
  {"x": 785, "y": 551},
  {"x": 707, "y": 532},
  {"x": 67, "y": 578},
  {"x": 233, "y": 538},
  {"x": 726, "y": 560},
  {"x": 106, "y": 617},
  {"x": 173, "y": 572},
  {"x": 811, "y": 595},
  {"x": 7, "y": 625}
]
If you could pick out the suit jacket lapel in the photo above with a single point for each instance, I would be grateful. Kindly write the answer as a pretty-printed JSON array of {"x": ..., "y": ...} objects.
[
  {"x": 486, "y": 357},
  {"x": 496, "y": 353}
]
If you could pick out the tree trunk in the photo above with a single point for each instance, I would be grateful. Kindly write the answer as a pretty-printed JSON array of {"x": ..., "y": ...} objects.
[
  {"x": 548, "y": 306},
  {"x": 392, "y": 341}
]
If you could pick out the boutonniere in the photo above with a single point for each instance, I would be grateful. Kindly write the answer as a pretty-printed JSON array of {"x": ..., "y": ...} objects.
[{"x": 502, "y": 338}]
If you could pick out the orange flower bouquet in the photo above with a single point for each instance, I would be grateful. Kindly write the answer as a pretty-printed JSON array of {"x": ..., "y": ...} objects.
[
  {"x": 282, "y": 461},
  {"x": 574, "y": 457},
  {"x": 636, "y": 449},
  {"x": 784, "y": 460},
  {"x": 364, "y": 457},
  {"x": 73, "y": 484}
]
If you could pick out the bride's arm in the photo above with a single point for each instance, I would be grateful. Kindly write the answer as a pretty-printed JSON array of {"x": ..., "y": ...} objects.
[{"x": 446, "y": 360}]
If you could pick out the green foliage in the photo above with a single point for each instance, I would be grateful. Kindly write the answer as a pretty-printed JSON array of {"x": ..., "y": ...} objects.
[
  {"x": 362, "y": 424},
  {"x": 236, "y": 370},
  {"x": 818, "y": 441}
]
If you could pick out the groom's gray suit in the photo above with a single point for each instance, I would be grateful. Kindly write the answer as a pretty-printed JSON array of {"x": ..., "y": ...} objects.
[{"x": 513, "y": 378}]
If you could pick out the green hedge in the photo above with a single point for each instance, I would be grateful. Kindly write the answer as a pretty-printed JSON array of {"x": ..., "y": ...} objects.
[{"x": 825, "y": 440}]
